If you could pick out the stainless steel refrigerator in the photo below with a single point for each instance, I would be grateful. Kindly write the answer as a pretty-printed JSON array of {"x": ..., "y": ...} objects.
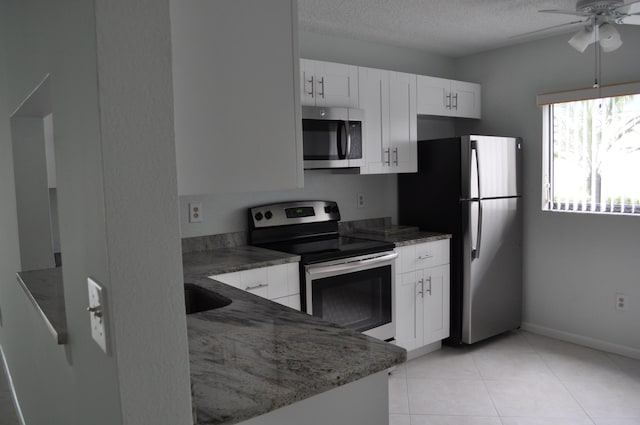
[{"x": 471, "y": 187}]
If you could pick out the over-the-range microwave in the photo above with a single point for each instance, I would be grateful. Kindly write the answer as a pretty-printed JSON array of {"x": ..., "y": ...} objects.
[{"x": 332, "y": 137}]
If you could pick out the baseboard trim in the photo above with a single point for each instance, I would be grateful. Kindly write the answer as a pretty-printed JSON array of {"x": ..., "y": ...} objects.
[
  {"x": 16, "y": 404},
  {"x": 418, "y": 352},
  {"x": 582, "y": 340}
]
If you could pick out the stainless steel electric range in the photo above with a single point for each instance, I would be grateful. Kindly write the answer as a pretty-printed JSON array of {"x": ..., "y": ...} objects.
[{"x": 344, "y": 280}]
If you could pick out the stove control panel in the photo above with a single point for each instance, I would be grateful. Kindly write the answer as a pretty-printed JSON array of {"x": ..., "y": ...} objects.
[{"x": 298, "y": 212}]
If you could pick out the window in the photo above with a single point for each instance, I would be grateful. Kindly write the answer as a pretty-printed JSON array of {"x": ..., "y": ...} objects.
[{"x": 592, "y": 153}]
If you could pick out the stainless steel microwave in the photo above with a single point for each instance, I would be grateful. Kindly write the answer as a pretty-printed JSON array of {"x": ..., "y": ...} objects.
[{"x": 332, "y": 137}]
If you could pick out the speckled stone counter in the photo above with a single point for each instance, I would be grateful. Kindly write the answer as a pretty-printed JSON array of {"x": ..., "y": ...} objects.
[
  {"x": 404, "y": 238},
  {"x": 227, "y": 260},
  {"x": 381, "y": 229},
  {"x": 45, "y": 291},
  {"x": 254, "y": 356}
]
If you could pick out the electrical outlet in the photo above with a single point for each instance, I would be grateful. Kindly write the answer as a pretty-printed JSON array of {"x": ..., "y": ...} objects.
[
  {"x": 195, "y": 212},
  {"x": 360, "y": 200},
  {"x": 621, "y": 302},
  {"x": 97, "y": 313}
]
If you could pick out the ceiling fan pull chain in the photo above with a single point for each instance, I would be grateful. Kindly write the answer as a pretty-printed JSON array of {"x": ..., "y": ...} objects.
[{"x": 596, "y": 35}]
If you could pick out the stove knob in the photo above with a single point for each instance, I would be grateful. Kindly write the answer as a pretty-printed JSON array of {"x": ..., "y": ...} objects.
[
  {"x": 327, "y": 209},
  {"x": 258, "y": 216},
  {"x": 268, "y": 215},
  {"x": 334, "y": 209}
]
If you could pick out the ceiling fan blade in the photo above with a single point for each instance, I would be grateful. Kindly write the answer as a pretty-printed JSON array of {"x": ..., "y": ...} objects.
[
  {"x": 564, "y": 12},
  {"x": 628, "y": 4},
  {"x": 526, "y": 34},
  {"x": 630, "y": 19}
]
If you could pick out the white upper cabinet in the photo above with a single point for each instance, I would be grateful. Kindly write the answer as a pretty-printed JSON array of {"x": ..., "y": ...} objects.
[
  {"x": 390, "y": 130},
  {"x": 328, "y": 84},
  {"x": 439, "y": 96},
  {"x": 403, "y": 122},
  {"x": 238, "y": 124}
]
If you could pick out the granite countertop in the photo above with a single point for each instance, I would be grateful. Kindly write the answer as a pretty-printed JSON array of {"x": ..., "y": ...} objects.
[
  {"x": 44, "y": 288},
  {"x": 381, "y": 229},
  {"x": 233, "y": 259},
  {"x": 254, "y": 356},
  {"x": 403, "y": 239}
]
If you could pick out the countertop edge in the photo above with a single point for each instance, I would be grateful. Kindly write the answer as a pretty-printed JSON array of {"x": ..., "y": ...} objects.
[
  {"x": 257, "y": 265},
  {"x": 59, "y": 335}
]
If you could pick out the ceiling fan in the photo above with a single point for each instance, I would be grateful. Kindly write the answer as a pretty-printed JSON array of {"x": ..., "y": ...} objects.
[{"x": 599, "y": 18}]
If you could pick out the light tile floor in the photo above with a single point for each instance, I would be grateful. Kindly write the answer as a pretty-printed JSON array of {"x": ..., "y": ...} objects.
[{"x": 518, "y": 378}]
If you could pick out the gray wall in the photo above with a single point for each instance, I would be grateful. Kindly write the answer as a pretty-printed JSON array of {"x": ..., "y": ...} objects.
[
  {"x": 32, "y": 193},
  {"x": 227, "y": 212},
  {"x": 112, "y": 101},
  {"x": 573, "y": 263}
]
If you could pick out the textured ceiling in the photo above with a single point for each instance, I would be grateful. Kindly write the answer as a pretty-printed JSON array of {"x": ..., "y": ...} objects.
[{"x": 449, "y": 27}]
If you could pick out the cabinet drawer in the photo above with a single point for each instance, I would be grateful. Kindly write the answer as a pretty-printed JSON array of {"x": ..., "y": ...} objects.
[
  {"x": 268, "y": 282},
  {"x": 425, "y": 255}
]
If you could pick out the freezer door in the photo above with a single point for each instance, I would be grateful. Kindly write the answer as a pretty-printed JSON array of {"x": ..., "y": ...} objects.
[
  {"x": 491, "y": 167},
  {"x": 492, "y": 268}
]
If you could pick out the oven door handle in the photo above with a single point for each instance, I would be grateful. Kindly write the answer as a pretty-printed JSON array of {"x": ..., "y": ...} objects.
[{"x": 349, "y": 266}]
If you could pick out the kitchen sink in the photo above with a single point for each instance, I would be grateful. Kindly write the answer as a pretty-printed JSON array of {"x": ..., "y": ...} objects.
[{"x": 198, "y": 299}]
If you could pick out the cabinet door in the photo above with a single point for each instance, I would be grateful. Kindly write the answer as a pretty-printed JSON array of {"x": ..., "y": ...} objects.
[
  {"x": 373, "y": 88},
  {"x": 336, "y": 84},
  {"x": 237, "y": 114},
  {"x": 409, "y": 312},
  {"x": 434, "y": 96},
  {"x": 435, "y": 281},
  {"x": 403, "y": 122},
  {"x": 466, "y": 99},
  {"x": 307, "y": 82}
]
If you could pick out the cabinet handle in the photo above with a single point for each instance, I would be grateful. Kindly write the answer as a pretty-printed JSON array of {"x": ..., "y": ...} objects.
[
  {"x": 321, "y": 82},
  {"x": 425, "y": 257},
  {"x": 421, "y": 291},
  {"x": 312, "y": 86},
  {"x": 387, "y": 152},
  {"x": 448, "y": 102},
  {"x": 455, "y": 104},
  {"x": 258, "y": 286},
  {"x": 429, "y": 290},
  {"x": 395, "y": 150}
]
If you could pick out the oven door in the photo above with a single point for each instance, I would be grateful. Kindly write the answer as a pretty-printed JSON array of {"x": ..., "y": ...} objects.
[{"x": 357, "y": 293}]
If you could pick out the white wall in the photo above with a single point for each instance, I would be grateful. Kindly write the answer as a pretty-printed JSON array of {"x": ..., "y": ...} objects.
[
  {"x": 573, "y": 264},
  {"x": 112, "y": 102},
  {"x": 228, "y": 212}
]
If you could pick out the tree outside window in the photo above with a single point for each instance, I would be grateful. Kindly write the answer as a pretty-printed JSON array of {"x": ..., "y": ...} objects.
[{"x": 595, "y": 162}]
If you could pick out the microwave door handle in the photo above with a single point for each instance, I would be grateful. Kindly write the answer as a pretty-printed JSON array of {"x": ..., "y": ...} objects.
[
  {"x": 341, "y": 127},
  {"x": 348, "y": 133}
]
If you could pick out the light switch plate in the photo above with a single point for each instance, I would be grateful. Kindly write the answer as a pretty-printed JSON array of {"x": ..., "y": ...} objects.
[{"x": 97, "y": 313}]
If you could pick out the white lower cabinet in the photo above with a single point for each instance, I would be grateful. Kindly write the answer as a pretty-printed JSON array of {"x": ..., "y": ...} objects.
[
  {"x": 422, "y": 294},
  {"x": 279, "y": 283}
]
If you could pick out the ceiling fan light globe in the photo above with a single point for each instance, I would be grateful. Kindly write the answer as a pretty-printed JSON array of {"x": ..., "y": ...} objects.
[
  {"x": 609, "y": 38},
  {"x": 582, "y": 39}
]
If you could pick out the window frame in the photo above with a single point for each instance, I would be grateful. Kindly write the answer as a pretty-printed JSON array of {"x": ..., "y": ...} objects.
[{"x": 546, "y": 101}]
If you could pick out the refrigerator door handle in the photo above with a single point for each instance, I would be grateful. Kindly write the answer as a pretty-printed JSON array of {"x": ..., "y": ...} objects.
[
  {"x": 475, "y": 251},
  {"x": 474, "y": 157}
]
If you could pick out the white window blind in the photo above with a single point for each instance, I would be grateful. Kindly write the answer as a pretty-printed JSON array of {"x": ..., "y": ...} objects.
[{"x": 592, "y": 152}]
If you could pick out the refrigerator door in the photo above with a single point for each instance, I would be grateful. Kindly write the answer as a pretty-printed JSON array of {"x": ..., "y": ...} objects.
[
  {"x": 492, "y": 267},
  {"x": 491, "y": 167}
]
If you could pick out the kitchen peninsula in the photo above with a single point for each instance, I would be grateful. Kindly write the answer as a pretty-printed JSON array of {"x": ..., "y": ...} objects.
[{"x": 258, "y": 359}]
